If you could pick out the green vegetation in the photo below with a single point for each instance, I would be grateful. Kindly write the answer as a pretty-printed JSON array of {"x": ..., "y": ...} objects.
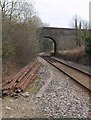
[
  {"x": 88, "y": 45},
  {"x": 82, "y": 33},
  {"x": 34, "y": 87}
]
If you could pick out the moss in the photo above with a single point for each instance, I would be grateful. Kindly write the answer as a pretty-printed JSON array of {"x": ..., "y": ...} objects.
[{"x": 34, "y": 88}]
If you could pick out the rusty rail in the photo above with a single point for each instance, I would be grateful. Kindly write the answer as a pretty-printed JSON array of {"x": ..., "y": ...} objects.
[
  {"x": 80, "y": 76},
  {"x": 21, "y": 80}
]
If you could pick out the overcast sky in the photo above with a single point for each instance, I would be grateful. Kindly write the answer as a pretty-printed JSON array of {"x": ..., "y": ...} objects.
[{"x": 59, "y": 13}]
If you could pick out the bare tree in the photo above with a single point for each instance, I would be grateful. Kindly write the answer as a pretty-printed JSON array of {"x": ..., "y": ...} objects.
[
  {"x": 81, "y": 26},
  {"x": 19, "y": 24}
]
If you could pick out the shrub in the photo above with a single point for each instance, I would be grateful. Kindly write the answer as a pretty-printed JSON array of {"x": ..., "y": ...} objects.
[
  {"x": 88, "y": 45},
  {"x": 8, "y": 50}
]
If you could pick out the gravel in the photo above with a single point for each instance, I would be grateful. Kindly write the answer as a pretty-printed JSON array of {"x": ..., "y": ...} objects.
[
  {"x": 25, "y": 105},
  {"x": 63, "y": 98}
]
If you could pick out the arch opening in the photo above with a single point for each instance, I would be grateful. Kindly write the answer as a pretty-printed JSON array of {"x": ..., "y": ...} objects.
[{"x": 54, "y": 43}]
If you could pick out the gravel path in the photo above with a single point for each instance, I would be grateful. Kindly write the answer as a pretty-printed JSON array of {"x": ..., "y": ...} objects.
[{"x": 62, "y": 97}]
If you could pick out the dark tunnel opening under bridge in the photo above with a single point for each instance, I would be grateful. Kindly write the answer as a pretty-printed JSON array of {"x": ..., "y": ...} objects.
[{"x": 54, "y": 44}]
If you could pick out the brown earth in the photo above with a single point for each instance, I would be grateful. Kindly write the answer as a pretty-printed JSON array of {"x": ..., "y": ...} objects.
[
  {"x": 77, "y": 55},
  {"x": 9, "y": 70}
]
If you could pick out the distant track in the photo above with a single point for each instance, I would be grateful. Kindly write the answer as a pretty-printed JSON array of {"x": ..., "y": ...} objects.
[{"x": 80, "y": 76}]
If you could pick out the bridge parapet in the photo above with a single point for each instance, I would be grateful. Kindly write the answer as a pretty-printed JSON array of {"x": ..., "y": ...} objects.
[{"x": 65, "y": 38}]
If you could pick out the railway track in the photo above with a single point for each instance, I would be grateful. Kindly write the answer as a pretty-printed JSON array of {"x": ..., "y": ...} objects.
[
  {"x": 21, "y": 80},
  {"x": 80, "y": 76}
]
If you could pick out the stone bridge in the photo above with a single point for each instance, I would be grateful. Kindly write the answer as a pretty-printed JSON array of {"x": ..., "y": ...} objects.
[{"x": 62, "y": 38}]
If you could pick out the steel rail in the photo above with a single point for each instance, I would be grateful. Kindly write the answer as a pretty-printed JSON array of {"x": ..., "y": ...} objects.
[{"x": 80, "y": 76}]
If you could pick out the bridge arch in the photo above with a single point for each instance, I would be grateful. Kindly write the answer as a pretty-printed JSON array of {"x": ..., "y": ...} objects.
[{"x": 54, "y": 42}]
